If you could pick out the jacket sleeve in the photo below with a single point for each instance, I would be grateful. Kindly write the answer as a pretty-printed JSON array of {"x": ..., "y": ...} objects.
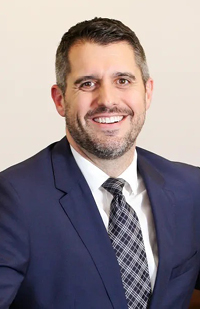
[{"x": 14, "y": 243}]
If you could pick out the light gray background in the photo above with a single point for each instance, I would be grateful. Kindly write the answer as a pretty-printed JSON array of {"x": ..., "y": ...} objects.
[{"x": 30, "y": 32}]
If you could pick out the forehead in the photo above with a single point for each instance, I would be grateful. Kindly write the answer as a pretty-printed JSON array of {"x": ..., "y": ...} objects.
[{"x": 87, "y": 57}]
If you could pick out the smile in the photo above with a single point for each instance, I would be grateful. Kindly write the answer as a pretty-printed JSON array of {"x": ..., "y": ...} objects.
[{"x": 112, "y": 119}]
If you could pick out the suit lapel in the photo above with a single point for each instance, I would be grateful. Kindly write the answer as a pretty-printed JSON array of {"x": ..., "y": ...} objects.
[
  {"x": 162, "y": 203},
  {"x": 79, "y": 205}
]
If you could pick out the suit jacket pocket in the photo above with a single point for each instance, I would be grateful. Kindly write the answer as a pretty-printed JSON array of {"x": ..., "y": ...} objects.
[{"x": 186, "y": 266}]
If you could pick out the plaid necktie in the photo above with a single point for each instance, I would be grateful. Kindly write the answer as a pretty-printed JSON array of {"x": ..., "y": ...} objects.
[{"x": 127, "y": 241}]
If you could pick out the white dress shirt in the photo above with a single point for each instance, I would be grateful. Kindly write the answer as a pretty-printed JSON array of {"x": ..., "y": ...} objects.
[{"x": 136, "y": 196}]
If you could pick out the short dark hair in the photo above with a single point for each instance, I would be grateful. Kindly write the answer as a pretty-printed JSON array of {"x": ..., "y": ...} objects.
[{"x": 102, "y": 31}]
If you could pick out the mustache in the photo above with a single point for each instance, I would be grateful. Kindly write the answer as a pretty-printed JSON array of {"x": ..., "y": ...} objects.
[{"x": 104, "y": 109}]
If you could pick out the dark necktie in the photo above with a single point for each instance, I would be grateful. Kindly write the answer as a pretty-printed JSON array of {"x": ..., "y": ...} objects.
[{"x": 127, "y": 241}]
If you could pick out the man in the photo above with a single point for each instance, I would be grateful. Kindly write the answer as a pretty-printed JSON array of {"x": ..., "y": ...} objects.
[{"x": 90, "y": 222}]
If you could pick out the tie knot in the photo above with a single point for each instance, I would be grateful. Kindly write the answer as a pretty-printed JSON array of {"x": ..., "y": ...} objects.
[{"x": 114, "y": 185}]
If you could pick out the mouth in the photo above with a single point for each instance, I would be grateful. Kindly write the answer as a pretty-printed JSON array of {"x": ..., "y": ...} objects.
[{"x": 108, "y": 120}]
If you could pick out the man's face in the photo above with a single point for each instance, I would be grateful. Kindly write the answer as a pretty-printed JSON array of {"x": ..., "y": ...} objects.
[{"x": 105, "y": 101}]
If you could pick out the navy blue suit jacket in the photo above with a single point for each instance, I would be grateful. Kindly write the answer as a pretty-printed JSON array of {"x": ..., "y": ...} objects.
[{"x": 54, "y": 249}]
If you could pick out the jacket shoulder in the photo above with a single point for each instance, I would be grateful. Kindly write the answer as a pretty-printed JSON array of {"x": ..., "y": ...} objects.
[
  {"x": 29, "y": 168},
  {"x": 170, "y": 169}
]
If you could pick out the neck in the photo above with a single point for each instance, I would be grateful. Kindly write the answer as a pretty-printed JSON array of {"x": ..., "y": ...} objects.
[{"x": 113, "y": 168}]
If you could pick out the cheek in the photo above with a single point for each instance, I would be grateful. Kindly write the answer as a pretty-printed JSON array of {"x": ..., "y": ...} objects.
[
  {"x": 82, "y": 104},
  {"x": 74, "y": 105},
  {"x": 135, "y": 102},
  {"x": 78, "y": 111}
]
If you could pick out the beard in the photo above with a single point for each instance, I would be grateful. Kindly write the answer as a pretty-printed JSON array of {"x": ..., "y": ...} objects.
[{"x": 108, "y": 146}]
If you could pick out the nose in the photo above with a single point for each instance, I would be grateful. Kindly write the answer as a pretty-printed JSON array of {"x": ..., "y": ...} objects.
[{"x": 106, "y": 95}]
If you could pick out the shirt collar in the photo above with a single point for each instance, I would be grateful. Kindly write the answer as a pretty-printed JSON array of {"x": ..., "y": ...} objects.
[{"x": 95, "y": 177}]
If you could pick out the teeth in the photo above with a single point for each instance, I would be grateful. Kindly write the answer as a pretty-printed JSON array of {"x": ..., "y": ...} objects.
[{"x": 108, "y": 119}]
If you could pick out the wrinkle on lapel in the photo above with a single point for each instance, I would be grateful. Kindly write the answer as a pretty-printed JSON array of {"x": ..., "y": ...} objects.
[
  {"x": 80, "y": 207},
  {"x": 66, "y": 171},
  {"x": 163, "y": 205}
]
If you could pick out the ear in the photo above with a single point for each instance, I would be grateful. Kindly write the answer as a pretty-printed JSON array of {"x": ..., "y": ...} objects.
[
  {"x": 58, "y": 99},
  {"x": 149, "y": 92}
]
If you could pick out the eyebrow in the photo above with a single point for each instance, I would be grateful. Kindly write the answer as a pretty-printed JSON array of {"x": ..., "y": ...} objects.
[
  {"x": 81, "y": 79},
  {"x": 123, "y": 74}
]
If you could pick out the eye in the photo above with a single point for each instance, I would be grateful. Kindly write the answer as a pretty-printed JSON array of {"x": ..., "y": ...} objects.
[
  {"x": 88, "y": 85},
  {"x": 123, "y": 81}
]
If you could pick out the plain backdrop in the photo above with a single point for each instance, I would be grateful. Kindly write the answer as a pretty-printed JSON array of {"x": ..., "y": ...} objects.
[{"x": 30, "y": 32}]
